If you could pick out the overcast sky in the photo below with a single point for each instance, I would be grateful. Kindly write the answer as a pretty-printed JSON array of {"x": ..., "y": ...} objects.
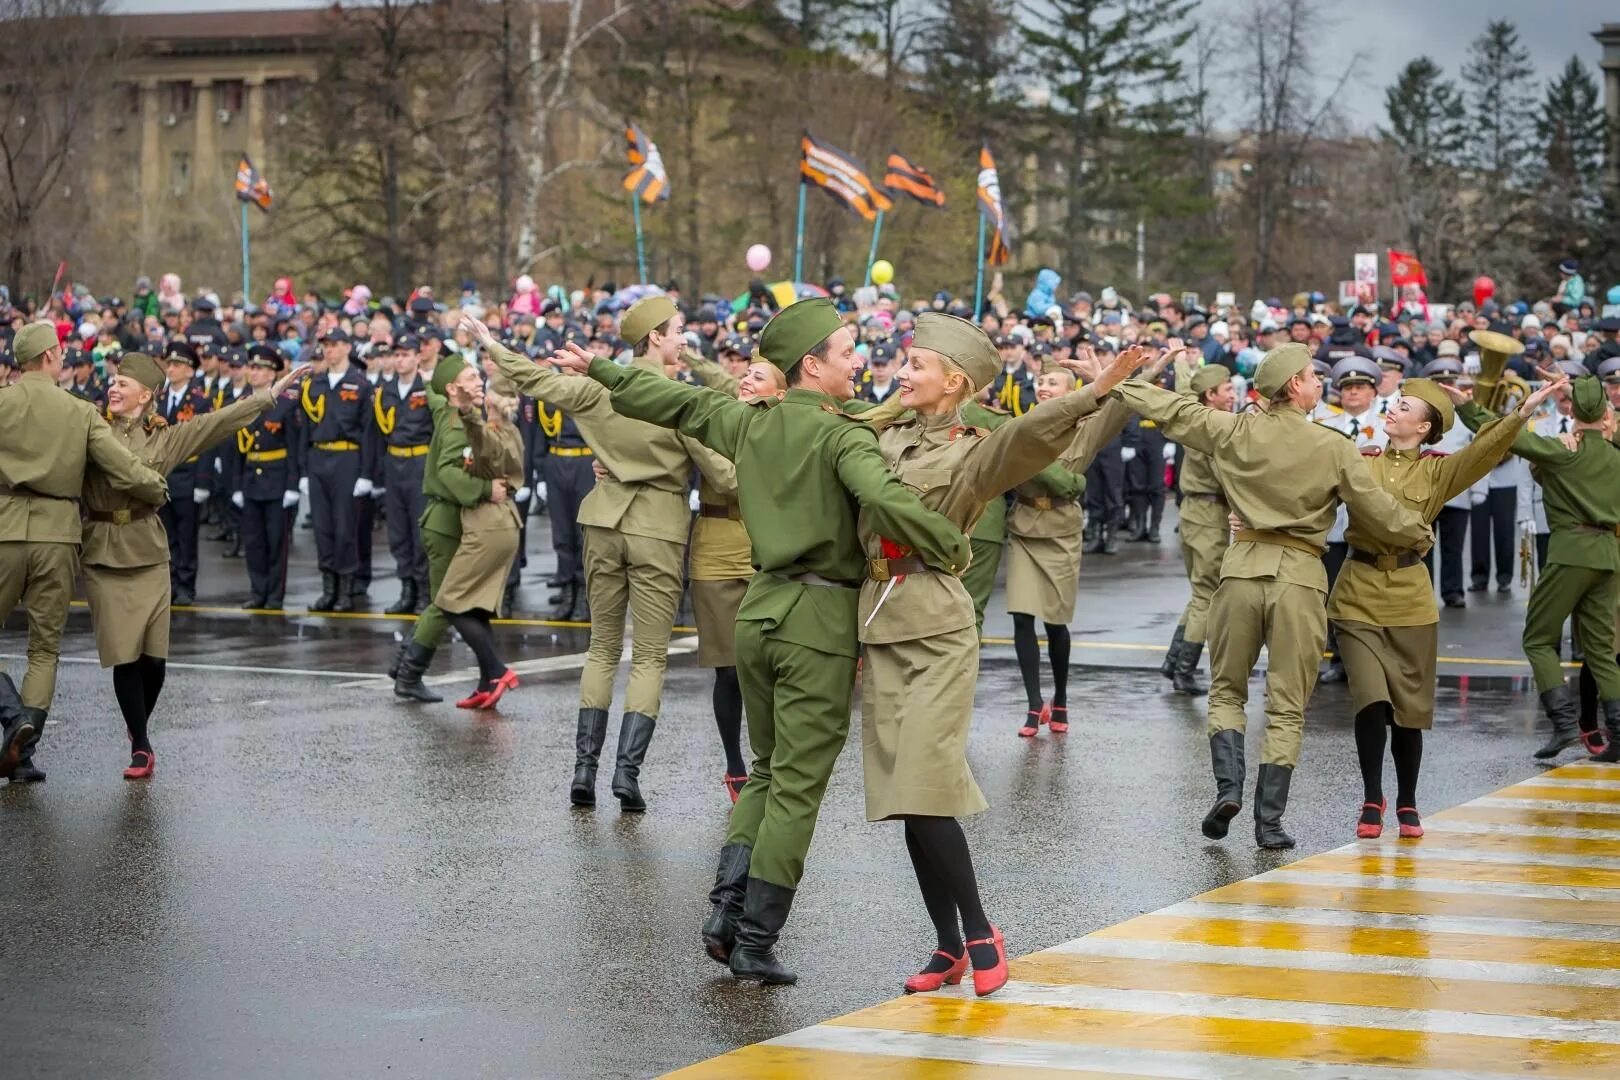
[{"x": 1387, "y": 32}]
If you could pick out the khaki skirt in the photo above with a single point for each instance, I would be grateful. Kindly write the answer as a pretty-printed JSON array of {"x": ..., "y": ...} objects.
[
  {"x": 1394, "y": 664},
  {"x": 129, "y": 611},
  {"x": 916, "y": 708},
  {"x": 1043, "y": 576},
  {"x": 714, "y": 609},
  {"x": 476, "y": 576}
]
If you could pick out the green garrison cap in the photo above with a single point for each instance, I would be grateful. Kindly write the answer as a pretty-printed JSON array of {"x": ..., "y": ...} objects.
[
  {"x": 961, "y": 342},
  {"x": 1585, "y": 393},
  {"x": 1428, "y": 391},
  {"x": 796, "y": 329},
  {"x": 645, "y": 316},
  {"x": 1209, "y": 377},
  {"x": 32, "y": 342},
  {"x": 143, "y": 369},
  {"x": 1278, "y": 366},
  {"x": 445, "y": 372}
]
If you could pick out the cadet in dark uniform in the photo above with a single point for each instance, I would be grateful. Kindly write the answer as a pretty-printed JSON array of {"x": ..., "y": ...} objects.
[
  {"x": 1012, "y": 391},
  {"x": 266, "y": 495},
  {"x": 190, "y": 482},
  {"x": 568, "y": 479},
  {"x": 227, "y": 456},
  {"x": 86, "y": 384},
  {"x": 1105, "y": 489},
  {"x": 405, "y": 425},
  {"x": 341, "y": 444},
  {"x": 377, "y": 369},
  {"x": 1144, "y": 479}
]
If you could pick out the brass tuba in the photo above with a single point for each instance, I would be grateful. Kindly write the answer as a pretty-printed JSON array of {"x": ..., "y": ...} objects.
[{"x": 1495, "y": 387}]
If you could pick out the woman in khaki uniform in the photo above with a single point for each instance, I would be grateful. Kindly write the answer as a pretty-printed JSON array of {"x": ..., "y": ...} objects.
[
  {"x": 921, "y": 650},
  {"x": 126, "y": 552},
  {"x": 474, "y": 584},
  {"x": 1382, "y": 603}
]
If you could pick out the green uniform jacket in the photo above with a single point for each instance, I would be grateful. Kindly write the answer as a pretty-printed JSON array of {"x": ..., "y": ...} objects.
[
  {"x": 992, "y": 524},
  {"x": 1064, "y": 481},
  {"x": 445, "y": 479},
  {"x": 804, "y": 470}
]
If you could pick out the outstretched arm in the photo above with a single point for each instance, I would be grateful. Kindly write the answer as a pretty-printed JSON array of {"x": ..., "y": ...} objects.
[
  {"x": 1376, "y": 511},
  {"x": 892, "y": 510},
  {"x": 122, "y": 469}
]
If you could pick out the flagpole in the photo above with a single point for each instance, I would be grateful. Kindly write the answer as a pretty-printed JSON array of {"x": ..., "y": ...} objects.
[
  {"x": 871, "y": 257},
  {"x": 978, "y": 285},
  {"x": 641, "y": 251},
  {"x": 798, "y": 244},
  {"x": 247, "y": 293}
]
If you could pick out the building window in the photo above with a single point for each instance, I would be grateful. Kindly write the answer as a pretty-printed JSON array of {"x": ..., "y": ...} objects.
[
  {"x": 1223, "y": 180},
  {"x": 179, "y": 172},
  {"x": 232, "y": 95},
  {"x": 178, "y": 98}
]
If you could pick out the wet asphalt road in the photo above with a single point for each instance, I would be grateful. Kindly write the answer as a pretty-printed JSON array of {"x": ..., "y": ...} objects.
[{"x": 320, "y": 882}]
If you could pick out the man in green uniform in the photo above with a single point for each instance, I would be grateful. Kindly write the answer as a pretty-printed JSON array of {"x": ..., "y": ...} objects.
[
  {"x": 1284, "y": 477},
  {"x": 989, "y": 534},
  {"x": 1581, "y": 491},
  {"x": 47, "y": 439},
  {"x": 804, "y": 471}
]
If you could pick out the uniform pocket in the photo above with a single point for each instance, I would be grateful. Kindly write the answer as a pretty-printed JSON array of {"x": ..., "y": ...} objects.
[{"x": 924, "y": 480}]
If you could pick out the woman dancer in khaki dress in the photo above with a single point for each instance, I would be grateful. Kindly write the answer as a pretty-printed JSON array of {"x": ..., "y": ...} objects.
[
  {"x": 474, "y": 584},
  {"x": 1383, "y": 599},
  {"x": 126, "y": 553},
  {"x": 921, "y": 650}
]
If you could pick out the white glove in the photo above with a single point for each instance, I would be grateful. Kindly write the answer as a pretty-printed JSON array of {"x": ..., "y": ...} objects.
[
  {"x": 199, "y": 495},
  {"x": 362, "y": 488},
  {"x": 219, "y": 467},
  {"x": 237, "y": 500},
  {"x": 377, "y": 492},
  {"x": 1476, "y": 498},
  {"x": 1127, "y": 453},
  {"x": 693, "y": 501},
  {"x": 1169, "y": 452},
  {"x": 540, "y": 490},
  {"x": 289, "y": 499},
  {"x": 522, "y": 494},
  {"x": 303, "y": 485}
]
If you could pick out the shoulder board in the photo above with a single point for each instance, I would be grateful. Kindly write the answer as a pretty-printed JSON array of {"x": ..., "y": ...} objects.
[
  {"x": 1337, "y": 431},
  {"x": 761, "y": 403},
  {"x": 968, "y": 429},
  {"x": 1372, "y": 451},
  {"x": 1435, "y": 453},
  {"x": 155, "y": 422},
  {"x": 833, "y": 410}
]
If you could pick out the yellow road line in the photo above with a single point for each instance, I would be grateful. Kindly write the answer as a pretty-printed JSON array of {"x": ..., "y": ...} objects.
[
  {"x": 767, "y": 1062},
  {"x": 1395, "y": 866},
  {"x": 1561, "y": 819},
  {"x": 1566, "y": 794},
  {"x": 1396, "y": 901}
]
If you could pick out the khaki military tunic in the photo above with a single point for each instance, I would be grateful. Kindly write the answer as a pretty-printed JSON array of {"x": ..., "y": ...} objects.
[
  {"x": 720, "y": 558},
  {"x": 1205, "y": 533},
  {"x": 922, "y": 643},
  {"x": 476, "y": 577},
  {"x": 126, "y": 558}
]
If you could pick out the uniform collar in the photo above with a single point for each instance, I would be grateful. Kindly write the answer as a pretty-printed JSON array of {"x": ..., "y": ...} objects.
[
  {"x": 1405, "y": 455},
  {"x": 809, "y": 397}
]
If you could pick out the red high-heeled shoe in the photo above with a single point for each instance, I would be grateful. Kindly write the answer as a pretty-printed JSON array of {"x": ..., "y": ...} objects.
[
  {"x": 1371, "y": 830},
  {"x": 1058, "y": 724},
  {"x": 925, "y": 982},
  {"x": 478, "y": 699},
  {"x": 142, "y": 764},
  {"x": 988, "y": 982},
  {"x": 507, "y": 681},
  {"x": 1594, "y": 741},
  {"x": 734, "y": 785},
  {"x": 1031, "y": 725},
  {"x": 1415, "y": 829}
]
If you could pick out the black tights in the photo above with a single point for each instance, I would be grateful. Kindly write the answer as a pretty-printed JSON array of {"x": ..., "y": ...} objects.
[
  {"x": 728, "y": 717},
  {"x": 473, "y": 626},
  {"x": 1405, "y": 746},
  {"x": 1029, "y": 660},
  {"x": 944, "y": 867},
  {"x": 137, "y": 685}
]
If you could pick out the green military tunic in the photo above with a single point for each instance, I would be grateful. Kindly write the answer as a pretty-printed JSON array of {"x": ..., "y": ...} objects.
[
  {"x": 989, "y": 533},
  {"x": 1284, "y": 477},
  {"x": 1387, "y": 621},
  {"x": 804, "y": 468},
  {"x": 1205, "y": 533},
  {"x": 475, "y": 580},
  {"x": 449, "y": 488},
  {"x": 720, "y": 558},
  {"x": 126, "y": 551}
]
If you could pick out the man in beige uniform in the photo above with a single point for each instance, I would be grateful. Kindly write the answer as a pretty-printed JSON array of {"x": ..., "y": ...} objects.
[
  {"x": 47, "y": 438},
  {"x": 1284, "y": 478},
  {"x": 1204, "y": 533}
]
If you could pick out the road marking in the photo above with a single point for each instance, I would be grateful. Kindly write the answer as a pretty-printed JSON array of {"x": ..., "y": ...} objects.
[
  {"x": 1287, "y": 919},
  {"x": 244, "y": 669},
  {"x": 1578, "y": 806},
  {"x": 1443, "y": 887}
]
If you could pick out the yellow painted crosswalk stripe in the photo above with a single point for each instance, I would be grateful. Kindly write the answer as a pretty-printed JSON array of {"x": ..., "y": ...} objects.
[{"x": 1461, "y": 903}]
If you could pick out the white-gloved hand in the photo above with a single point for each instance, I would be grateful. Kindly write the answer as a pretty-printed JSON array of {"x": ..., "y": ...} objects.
[
  {"x": 289, "y": 499},
  {"x": 236, "y": 499},
  {"x": 199, "y": 495},
  {"x": 219, "y": 467},
  {"x": 693, "y": 501},
  {"x": 540, "y": 490},
  {"x": 377, "y": 492},
  {"x": 362, "y": 488},
  {"x": 1127, "y": 453},
  {"x": 522, "y": 494},
  {"x": 303, "y": 485},
  {"x": 1169, "y": 452}
]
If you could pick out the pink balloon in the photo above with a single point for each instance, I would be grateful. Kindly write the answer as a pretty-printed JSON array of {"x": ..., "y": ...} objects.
[{"x": 758, "y": 258}]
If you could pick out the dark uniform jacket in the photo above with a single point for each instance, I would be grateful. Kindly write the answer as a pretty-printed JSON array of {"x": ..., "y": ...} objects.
[
  {"x": 191, "y": 473},
  {"x": 271, "y": 450}
]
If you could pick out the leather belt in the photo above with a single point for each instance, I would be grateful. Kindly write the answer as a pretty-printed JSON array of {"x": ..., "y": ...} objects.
[
  {"x": 267, "y": 455},
  {"x": 884, "y": 569},
  {"x": 25, "y": 493},
  {"x": 1599, "y": 530},
  {"x": 1266, "y": 536},
  {"x": 121, "y": 517},
  {"x": 1386, "y": 563},
  {"x": 571, "y": 451},
  {"x": 811, "y": 578},
  {"x": 1219, "y": 500},
  {"x": 409, "y": 451},
  {"x": 715, "y": 510},
  {"x": 1039, "y": 502},
  {"x": 337, "y": 444}
]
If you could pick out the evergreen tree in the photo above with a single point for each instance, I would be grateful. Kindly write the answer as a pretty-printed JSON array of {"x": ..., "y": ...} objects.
[
  {"x": 1570, "y": 173},
  {"x": 1427, "y": 119},
  {"x": 968, "y": 49},
  {"x": 1500, "y": 104}
]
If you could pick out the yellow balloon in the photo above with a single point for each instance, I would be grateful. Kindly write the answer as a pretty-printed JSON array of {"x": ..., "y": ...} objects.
[{"x": 882, "y": 272}]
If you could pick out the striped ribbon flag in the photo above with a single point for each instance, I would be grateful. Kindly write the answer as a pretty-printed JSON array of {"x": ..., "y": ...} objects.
[
  {"x": 913, "y": 180},
  {"x": 991, "y": 208},
  {"x": 647, "y": 178},
  {"x": 250, "y": 186},
  {"x": 840, "y": 176}
]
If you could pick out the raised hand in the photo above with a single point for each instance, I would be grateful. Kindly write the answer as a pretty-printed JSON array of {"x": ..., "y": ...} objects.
[
  {"x": 297, "y": 374},
  {"x": 1555, "y": 379},
  {"x": 1456, "y": 393},
  {"x": 1084, "y": 364},
  {"x": 477, "y": 328},
  {"x": 572, "y": 358},
  {"x": 1122, "y": 367}
]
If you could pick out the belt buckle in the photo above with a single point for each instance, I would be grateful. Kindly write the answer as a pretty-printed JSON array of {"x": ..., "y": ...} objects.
[
  {"x": 1389, "y": 563},
  {"x": 878, "y": 569},
  {"x": 1043, "y": 502},
  {"x": 120, "y": 517}
]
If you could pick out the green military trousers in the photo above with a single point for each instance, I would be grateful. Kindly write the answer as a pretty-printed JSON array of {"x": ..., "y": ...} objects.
[
  {"x": 432, "y": 624},
  {"x": 1291, "y": 622},
  {"x": 39, "y": 576},
  {"x": 980, "y": 578},
  {"x": 1590, "y": 596},
  {"x": 797, "y": 701},
  {"x": 1202, "y": 549},
  {"x": 640, "y": 575}
]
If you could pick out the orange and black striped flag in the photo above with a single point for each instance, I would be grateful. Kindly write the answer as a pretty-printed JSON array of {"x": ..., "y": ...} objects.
[
  {"x": 840, "y": 176},
  {"x": 647, "y": 179},
  {"x": 913, "y": 180},
  {"x": 991, "y": 208},
  {"x": 251, "y": 187}
]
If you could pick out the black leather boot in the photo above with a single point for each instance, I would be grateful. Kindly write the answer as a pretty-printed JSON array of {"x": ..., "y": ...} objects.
[
  {"x": 412, "y": 666},
  {"x": 1091, "y": 536},
  {"x": 1611, "y": 720},
  {"x": 343, "y": 597},
  {"x": 1110, "y": 542},
  {"x": 329, "y": 587},
  {"x": 407, "y": 599},
  {"x": 730, "y": 883},
  {"x": 566, "y": 604},
  {"x": 1186, "y": 673},
  {"x": 635, "y": 734},
  {"x": 765, "y": 911},
  {"x": 1270, "y": 800},
  {"x": 19, "y": 725},
  {"x": 424, "y": 595},
  {"x": 1155, "y": 516},
  {"x": 588, "y": 740},
  {"x": 1559, "y": 704},
  {"x": 26, "y": 771},
  {"x": 1226, "y": 762},
  {"x": 399, "y": 658},
  {"x": 1168, "y": 668}
]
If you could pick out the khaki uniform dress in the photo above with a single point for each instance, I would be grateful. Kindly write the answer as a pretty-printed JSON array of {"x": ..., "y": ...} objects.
[
  {"x": 921, "y": 644},
  {"x": 475, "y": 580},
  {"x": 126, "y": 551},
  {"x": 1387, "y": 621},
  {"x": 720, "y": 560},
  {"x": 1285, "y": 477},
  {"x": 48, "y": 438},
  {"x": 1205, "y": 533}
]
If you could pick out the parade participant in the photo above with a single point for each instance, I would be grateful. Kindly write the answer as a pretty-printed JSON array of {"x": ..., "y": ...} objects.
[
  {"x": 565, "y": 470},
  {"x": 340, "y": 459},
  {"x": 880, "y": 366},
  {"x": 1583, "y": 560},
  {"x": 474, "y": 584},
  {"x": 803, "y": 469},
  {"x": 1143, "y": 445},
  {"x": 190, "y": 478},
  {"x": 1205, "y": 533},
  {"x": 1284, "y": 477},
  {"x": 272, "y": 450},
  {"x": 1382, "y": 604},
  {"x": 988, "y": 538},
  {"x": 228, "y": 461},
  {"x": 636, "y": 523},
  {"x": 1361, "y": 418},
  {"x": 125, "y": 553},
  {"x": 47, "y": 441},
  {"x": 1013, "y": 390},
  {"x": 405, "y": 425},
  {"x": 86, "y": 384},
  {"x": 1451, "y": 525}
]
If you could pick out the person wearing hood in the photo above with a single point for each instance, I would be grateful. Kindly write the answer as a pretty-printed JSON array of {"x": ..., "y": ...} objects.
[{"x": 145, "y": 301}]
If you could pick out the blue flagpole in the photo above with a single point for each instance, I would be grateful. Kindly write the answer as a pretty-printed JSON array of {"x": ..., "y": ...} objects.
[
  {"x": 798, "y": 244},
  {"x": 871, "y": 256},
  {"x": 247, "y": 295},
  {"x": 978, "y": 285},
  {"x": 641, "y": 251}
]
